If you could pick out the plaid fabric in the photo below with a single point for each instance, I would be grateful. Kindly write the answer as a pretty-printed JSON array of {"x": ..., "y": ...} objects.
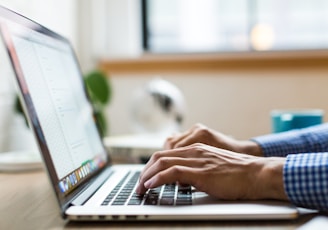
[
  {"x": 306, "y": 168},
  {"x": 306, "y": 180},
  {"x": 308, "y": 140}
]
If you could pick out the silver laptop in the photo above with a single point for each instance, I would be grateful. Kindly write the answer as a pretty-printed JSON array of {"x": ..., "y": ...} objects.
[{"x": 85, "y": 183}]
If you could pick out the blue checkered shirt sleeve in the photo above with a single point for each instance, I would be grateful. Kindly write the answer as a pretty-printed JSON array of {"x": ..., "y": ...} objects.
[{"x": 306, "y": 168}]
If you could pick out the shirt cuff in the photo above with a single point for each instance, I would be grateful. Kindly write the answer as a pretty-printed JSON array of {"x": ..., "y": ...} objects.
[
  {"x": 281, "y": 144},
  {"x": 306, "y": 180},
  {"x": 312, "y": 139}
]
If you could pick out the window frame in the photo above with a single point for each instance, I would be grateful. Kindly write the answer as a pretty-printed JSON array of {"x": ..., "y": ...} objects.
[
  {"x": 252, "y": 21},
  {"x": 144, "y": 27}
]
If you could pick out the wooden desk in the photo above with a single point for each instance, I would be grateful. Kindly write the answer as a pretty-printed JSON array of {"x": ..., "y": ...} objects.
[{"x": 27, "y": 202}]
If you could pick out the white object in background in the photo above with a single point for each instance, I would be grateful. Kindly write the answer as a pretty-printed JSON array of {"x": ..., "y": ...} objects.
[
  {"x": 14, "y": 133},
  {"x": 20, "y": 161},
  {"x": 20, "y": 136},
  {"x": 5, "y": 121},
  {"x": 6, "y": 97},
  {"x": 133, "y": 148},
  {"x": 158, "y": 108}
]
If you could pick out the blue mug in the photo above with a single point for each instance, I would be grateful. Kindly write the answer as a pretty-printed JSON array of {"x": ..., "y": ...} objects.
[{"x": 285, "y": 120}]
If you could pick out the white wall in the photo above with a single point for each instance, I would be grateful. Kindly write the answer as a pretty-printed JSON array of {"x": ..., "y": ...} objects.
[
  {"x": 58, "y": 15},
  {"x": 108, "y": 28},
  {"x": 236, "y": 103}
]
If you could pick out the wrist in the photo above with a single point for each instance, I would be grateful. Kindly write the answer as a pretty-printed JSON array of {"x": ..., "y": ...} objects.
[
  {"x": 269, "y": 181},
  {"x": 250, "y": 148}
]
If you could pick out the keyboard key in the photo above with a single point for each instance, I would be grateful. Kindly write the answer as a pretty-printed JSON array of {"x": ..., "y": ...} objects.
[
  {"x": 135, "y": 202},
  {"x": 169, "y": 194},
  {"x": 150, "y": 201},
  {"x": 166, "y": 201},
  {"x": 183, "y": 202}
]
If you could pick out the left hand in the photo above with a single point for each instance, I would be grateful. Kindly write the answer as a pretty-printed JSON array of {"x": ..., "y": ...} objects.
[{"x": 200, "y": 133}]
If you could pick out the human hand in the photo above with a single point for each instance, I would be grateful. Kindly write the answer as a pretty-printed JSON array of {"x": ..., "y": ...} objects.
[
  {"x": 220, "y": 173},
  {"x": 201, "y": 134}
]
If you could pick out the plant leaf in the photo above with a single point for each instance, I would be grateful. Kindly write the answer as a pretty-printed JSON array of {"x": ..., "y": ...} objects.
[{"x": 98, "y": 86}]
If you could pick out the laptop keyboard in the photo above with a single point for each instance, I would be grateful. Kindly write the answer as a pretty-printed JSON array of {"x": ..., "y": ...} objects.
[{"x": 170, "y": 194}]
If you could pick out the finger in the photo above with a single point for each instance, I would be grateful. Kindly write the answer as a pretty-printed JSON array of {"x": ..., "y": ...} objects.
[
  {"x": 183, "y": 152},
  {"x": 191, "y": 137},
  {"x": 171, "y": 141},
  {"x": 141, "y": 189},
  {"x": 180, "y": 174},
  {"x": 188, "y": 140},
  {"x": 168, "y": 162},
  {"x": 187, "y": 154}
]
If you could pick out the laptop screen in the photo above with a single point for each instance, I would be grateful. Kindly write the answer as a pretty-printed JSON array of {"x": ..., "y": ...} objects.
[{"x": 55, "y": 98}]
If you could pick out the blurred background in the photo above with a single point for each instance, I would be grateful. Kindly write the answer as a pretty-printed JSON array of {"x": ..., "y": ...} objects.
[{"x": 234, "y": 61}]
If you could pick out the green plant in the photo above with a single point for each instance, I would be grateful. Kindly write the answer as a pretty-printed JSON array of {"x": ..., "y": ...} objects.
[
  {"x": 99, "y": 91},
  {"x": 19, "y": 109}
]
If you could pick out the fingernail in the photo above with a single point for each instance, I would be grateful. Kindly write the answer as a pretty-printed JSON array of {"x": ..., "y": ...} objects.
[{"x": 148, "y": 183}]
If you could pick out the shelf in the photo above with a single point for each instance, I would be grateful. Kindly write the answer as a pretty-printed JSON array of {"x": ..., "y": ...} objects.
[{"x": 152, "y": 63}]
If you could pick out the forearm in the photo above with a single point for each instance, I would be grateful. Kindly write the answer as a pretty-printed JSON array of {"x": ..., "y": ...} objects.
[
  {"x": 313, "y": 139},
  {"x": 250, "y": 148}
]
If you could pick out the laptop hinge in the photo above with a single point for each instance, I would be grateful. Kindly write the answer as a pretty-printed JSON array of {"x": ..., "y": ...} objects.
[{"x": 82, "y": 197}]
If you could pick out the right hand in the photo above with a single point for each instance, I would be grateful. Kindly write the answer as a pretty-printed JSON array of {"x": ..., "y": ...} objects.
[
  {"x": 220, "y": 173},
  {"x": 201, "y": 134}
]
